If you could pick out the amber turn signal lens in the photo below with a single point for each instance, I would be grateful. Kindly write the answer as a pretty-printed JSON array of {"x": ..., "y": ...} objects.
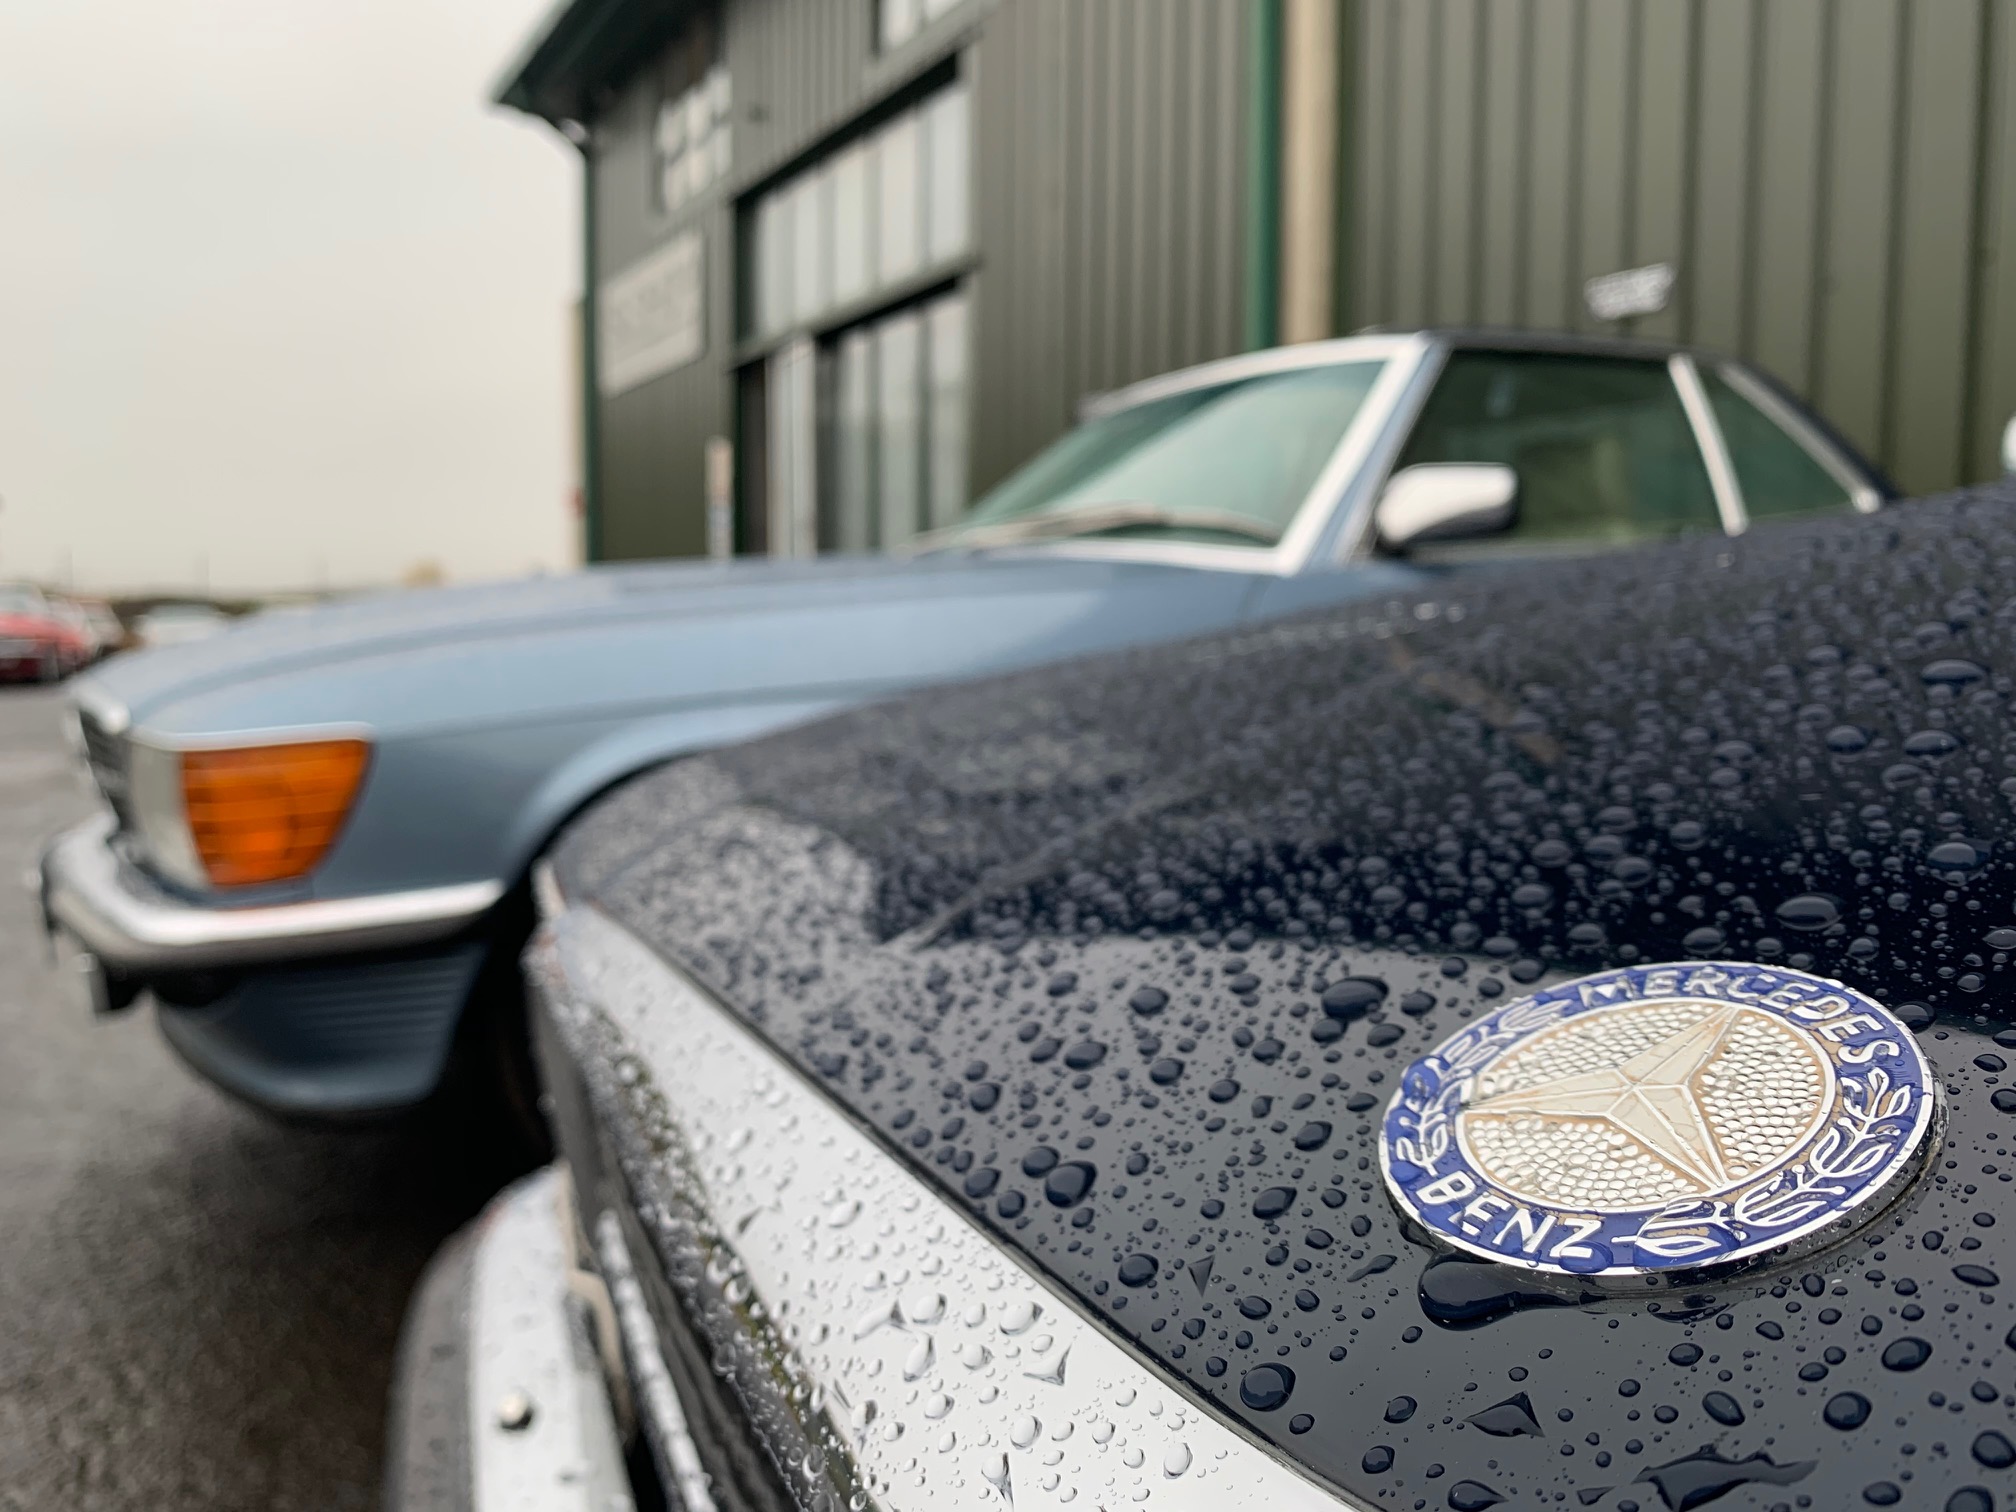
[{"x": 269, "y": 813}]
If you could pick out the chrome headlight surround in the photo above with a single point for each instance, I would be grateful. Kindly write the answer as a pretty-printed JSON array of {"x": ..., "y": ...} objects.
[{"x": 160, "y": 821}]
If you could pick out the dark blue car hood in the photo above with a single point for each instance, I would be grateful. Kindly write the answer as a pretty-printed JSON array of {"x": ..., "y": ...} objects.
[{"x": 1101, "y": 917}]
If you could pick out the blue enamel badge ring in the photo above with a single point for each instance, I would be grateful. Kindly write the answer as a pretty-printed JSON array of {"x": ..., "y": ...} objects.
[{"x": 1660, "y": 1118}]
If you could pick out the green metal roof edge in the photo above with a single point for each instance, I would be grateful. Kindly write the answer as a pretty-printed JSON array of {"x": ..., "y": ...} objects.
[{"x": 577, "y": 46}]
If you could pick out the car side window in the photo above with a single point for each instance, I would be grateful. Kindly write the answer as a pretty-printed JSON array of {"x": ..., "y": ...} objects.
[
  {"x": 1778, "y": 476},
  {"x": 1602, "y": 447}
]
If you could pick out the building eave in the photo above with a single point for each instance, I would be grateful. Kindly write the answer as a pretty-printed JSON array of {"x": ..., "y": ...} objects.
[{"x": 581, "y": 48}]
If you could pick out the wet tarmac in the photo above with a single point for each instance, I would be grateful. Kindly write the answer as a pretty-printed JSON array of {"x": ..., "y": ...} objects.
[{"x": 198, "y": 1306}]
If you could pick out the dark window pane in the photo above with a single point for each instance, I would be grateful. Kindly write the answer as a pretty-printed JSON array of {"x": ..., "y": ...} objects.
[
  {"x": 854, "y": 443},
  {"x": 899, "y": 430},
  {"x": 1601, "y": 445},
  {"x": 1778, "y": 476},
  {"x": 945, "y": 328}
]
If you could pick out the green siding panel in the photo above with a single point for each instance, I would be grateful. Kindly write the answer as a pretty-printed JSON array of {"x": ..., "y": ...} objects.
[
  {"x": 1835, "y": 181},
  {"x": 1718, "y": 255},
  {"x": 1663, "y": 150},
  {"x": 1412, "y": 198},
  {"x": 1458, "y": 120},
  {"x": 1603, "y": 194},
  {"x": 1369, "y": 220},
  {"x": 1862, "y": 131},
  {"x": 1994, "y": 347},
  {"x": 1553, "y": 152},
  {"x": 1110, "y": 219},
  {"x": 1502, "y": 185},
  {"x": 1789, "y": 163},
  {"x": 1932, "y": 284}
]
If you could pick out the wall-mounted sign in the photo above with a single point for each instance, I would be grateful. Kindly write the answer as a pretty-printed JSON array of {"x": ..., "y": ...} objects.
[
  {"x": 651, "y": 317},
  {"x": 1635, "y": 291}
]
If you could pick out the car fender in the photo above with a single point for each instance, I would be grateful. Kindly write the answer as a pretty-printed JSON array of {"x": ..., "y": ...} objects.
[{"x": 624, "y": 752}]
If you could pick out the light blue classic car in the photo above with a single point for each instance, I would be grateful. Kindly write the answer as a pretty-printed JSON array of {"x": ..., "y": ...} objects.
[{"x": 319, "y": 827}]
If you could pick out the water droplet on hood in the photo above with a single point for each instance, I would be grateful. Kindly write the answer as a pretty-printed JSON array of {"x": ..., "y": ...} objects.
[
  {"x": 1273, "y": 1202},
  {"x": 1850, "y": 1409},
  {"x": 1354, "y": 997},
  {"x": 1511, "y": 1418},
  {"x": 1148, "y": 1000},
  {"x": 1267, "y": 1387},
  {"x": 1722, "y": 1407},
  {"x": 1954, "y": 856},
  {"x": 1472, "y": 1496},
  {"x": 1704, "y": 1475},
  {"x": 1906, "y": 1354},
  {"x": 1068, "y": 1183},
  {"x": 1175, "y": 1460},
  {"x": 1809, "y": 911},
  {"x": 1952, "y": 672},
  {"x": 994, "y": 1470},
  {"x": 1137, "y": 1270},
  {"x": 1994, "y": 1450}
]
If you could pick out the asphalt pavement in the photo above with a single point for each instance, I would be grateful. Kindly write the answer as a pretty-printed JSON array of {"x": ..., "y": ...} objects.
[{"x": 198, "y": 1305}]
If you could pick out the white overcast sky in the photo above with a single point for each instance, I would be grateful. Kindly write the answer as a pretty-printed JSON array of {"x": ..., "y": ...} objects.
[{"x": 282, "y": 298}]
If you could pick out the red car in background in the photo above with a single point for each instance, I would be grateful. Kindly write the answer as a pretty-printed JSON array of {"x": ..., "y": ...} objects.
[{"x": 36, "y": 641}]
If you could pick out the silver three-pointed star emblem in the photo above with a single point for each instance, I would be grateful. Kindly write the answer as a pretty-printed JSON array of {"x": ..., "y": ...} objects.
[{"x": 1652, "y": 1097}]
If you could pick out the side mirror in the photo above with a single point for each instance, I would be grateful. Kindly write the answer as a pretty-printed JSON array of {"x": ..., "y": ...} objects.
[
  {"x": 1446, "y": 501},
  {"x": 2009, "y": 448}
]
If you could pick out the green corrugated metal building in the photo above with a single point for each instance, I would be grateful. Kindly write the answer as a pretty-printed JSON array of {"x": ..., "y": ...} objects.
[{"x": 873, "y": 253}]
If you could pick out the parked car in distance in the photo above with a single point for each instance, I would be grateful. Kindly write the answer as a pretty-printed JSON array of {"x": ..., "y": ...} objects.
[
  {"x": 1330, "y": 1065},
  {"x": 94, "y": 623},
  {"x": 38, "y": 641},
  {"x": 320, "y": 827},
  {"x": 178, "y": 624},
  {"x": 107, "y": 631}
]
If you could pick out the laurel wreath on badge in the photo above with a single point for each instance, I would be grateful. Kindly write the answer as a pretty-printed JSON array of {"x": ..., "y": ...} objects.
[
  {"x": 1431, "y": 1109},
  {"x": 1874, "y": 1119}
]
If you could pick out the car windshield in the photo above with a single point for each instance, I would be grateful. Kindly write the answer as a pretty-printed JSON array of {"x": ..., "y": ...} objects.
[
  {"x": 20, "y": 601},
  {"x": 1227, "y": 464}
]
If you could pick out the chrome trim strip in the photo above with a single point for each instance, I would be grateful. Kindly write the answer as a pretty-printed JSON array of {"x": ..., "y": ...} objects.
[
  {"x": 886, "y": 1348},
  {"x": 664, "y": 1418},
  {"x": 548, "y": 902},
  {"x": 84, "y": 891},
  {"x": 110, "y": 715},
  {"x": 1788, "y": 419},
  {"x": 1338, "y": 488},
  {"x": 529, "y": 1358},
  {"x": 1247, "y": 365},
  {"x": 1358, "y": 540},
  {"x": 1708, "y": 437},
  {"x": 237, "y": 740}
]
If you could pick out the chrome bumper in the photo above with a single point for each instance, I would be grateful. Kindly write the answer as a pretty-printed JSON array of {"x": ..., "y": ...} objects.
[
  {"x": 501, "y": 1401},
  {"x": 136, "y": 930}
]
